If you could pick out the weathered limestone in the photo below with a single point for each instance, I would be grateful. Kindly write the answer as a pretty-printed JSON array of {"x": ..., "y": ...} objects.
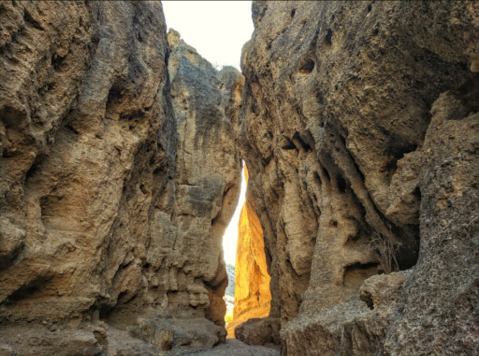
[
  {"x": 120, "y": 160},
  {"x": 207, "y": 183},
  {"x": 350, "y": 108},
  {"x": 111, "y": 206}
]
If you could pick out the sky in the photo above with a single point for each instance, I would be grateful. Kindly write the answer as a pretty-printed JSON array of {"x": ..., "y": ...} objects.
[
  {"x": 218, "y": 30},
  {"x": 230, "y": 238}
]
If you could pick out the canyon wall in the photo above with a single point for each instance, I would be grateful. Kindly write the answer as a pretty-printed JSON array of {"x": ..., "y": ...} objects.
[
  {"x": 111, "y": 206},
  {"x": 207, "y": 181},
  {"x": 360, "y": 135},
  {"x": 120, "y": 159}
]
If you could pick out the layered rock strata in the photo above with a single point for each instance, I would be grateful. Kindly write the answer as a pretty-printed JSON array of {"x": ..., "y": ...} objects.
[
  {"x": 111, "y": 207},
  {"x": 360, "y": 135}
]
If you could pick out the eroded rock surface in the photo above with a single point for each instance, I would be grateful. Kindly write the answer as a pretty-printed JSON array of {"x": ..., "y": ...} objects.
[
  {"x": 120, "y": 160},
  {"x": 355, "y": 115},
  {"x": 111, "y": 206},
  {"x": 207, "y": 182}
]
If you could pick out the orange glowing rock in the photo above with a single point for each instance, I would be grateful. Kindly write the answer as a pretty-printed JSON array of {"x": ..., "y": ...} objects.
[{"x": 252, "y": 293}]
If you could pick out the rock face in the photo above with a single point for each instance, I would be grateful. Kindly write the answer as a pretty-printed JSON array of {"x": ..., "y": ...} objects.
[
  {"x": 360, "y": 135},
  {"x": 252, "y": 293},
  {"x": 111, "y": 206},
  {"x": 120, "y": 163},
  {"x": 252, "y": 296},
  {"x": 207, "y": 183}
]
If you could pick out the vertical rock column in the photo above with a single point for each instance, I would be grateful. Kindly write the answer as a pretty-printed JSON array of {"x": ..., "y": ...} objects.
[{"x": 207, "y": 185}]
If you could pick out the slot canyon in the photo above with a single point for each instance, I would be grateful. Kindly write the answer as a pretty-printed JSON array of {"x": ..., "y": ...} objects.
[{"x": 121, "y": 152}]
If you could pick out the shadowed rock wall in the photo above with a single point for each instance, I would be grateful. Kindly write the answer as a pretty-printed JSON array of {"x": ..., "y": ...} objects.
[
  {"x": 207, "y": 182},
  {"x": 349, "y": 110},
  {"x": 111, "y": 207}
]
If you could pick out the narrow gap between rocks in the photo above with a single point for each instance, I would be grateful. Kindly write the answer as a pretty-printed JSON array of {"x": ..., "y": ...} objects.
[
  {"x": 248, "y": 294},
  {"x": 230, "y": 242}
]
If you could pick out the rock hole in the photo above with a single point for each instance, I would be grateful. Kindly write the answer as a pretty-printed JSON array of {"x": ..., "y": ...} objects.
[
  {"x": 293, "y": 12},
  {"x": 30, "y": 290},
  {"x": 144, "y": 189},
  {"x": 342, "y": 185},
  {"x": 368, "y": 299},
  {"x": 289, "y": 145},
  {"x": 58, "y": 62},
  {"x": 301, "y": 143},
  {"x": 33, "y": 169},
  {"x": 115, "y": 94},
  {"x": 417, "y": 193},
  {"x": 158, "y": 170},
  {"x": 328, "y": 38},
  {"x": 12, "y": 117},
  {"x": 469, "y": 92},
  {"x": 356, "y": 273},
  {"x": 105, "y": 311},
  {"x": 369, "y": 8},
  {"x": 326, "y": 174},
  {"x": 307, "y": 67}
]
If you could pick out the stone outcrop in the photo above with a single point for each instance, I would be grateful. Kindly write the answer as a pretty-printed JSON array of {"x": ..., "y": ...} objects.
[
  {"x": 207, "y": 182},
  {"x": 111, "y": 206},
  {"x": 360, "y": 136}
]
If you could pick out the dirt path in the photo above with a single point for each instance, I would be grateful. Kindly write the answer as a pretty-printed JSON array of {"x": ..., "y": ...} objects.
[{"x": 233, "y": 347}]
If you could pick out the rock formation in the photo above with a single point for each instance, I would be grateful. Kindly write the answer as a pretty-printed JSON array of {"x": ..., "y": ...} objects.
[
  {"x": 207, "y": 182},
  {"x": 120, "y": 159},
  {"x": 252, "y": 294},
  {"x": 112, "y": 207},
  {"x": 360, "y": 129}
]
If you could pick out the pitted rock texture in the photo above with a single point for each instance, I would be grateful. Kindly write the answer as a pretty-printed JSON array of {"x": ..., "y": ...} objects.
[
  {"x": 111, "y": 206},
  {"x": 355, "y": 114},
  {"x": 207, "y": 183}
]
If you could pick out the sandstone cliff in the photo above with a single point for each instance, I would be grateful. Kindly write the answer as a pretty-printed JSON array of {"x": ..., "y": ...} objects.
[
  {"x": 120, "y": 156},
  {"x": 207, "y": 180},
  {"x": 360, "y": 134},
  {"x": 111, "y": 206}
]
